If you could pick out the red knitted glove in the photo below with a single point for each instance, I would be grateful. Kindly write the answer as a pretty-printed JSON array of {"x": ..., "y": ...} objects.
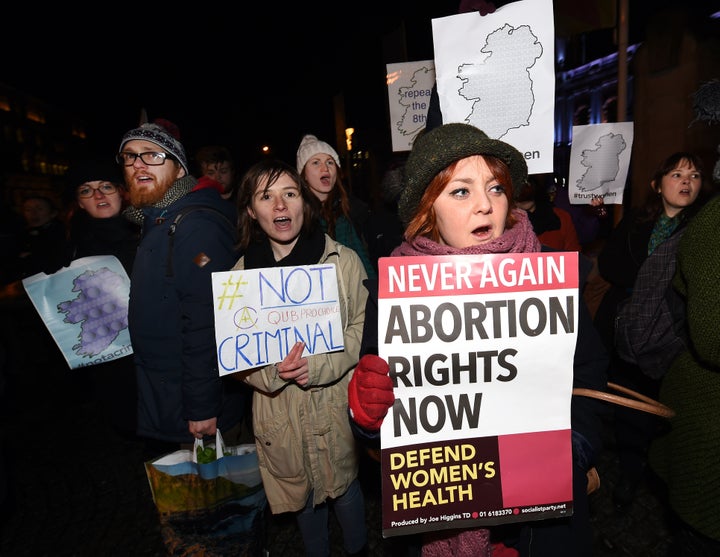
[{"x": 370, "y": 392}]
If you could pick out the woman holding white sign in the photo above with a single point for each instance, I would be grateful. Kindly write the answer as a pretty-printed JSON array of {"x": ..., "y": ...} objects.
[
  {"x": 459, "y": 198},
  {"x": 307, "y": 452}
]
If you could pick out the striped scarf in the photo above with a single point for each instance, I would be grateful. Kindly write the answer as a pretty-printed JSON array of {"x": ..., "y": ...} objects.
[{"x": 179, "y": 189}]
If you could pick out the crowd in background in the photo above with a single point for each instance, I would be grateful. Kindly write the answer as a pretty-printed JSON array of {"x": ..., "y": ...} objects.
[
  {"x": 172, "y": 218},
  {"x": 107, "y": 212}
]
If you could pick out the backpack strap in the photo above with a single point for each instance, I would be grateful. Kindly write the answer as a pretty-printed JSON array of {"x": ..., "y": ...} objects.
[{"x": 176, "y": 221}]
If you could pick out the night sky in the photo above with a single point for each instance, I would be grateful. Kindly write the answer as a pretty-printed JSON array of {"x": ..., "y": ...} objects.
[{"x": 242, "y": 80}]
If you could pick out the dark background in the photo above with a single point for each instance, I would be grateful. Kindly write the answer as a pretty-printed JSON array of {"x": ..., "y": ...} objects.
[{"x": 235, "y": 74}]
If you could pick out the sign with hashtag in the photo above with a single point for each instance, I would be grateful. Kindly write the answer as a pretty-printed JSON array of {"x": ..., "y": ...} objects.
[{"x": 261, "y": 313}]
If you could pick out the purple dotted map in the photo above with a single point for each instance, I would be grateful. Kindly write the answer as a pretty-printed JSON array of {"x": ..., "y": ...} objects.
[{"x": 85, "y": 306}]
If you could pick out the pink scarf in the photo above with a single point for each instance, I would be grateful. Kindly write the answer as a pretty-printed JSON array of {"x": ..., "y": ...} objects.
[{"x": 519, "y": 239}]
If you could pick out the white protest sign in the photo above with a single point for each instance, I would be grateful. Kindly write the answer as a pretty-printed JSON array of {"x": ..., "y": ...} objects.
[
  {"x": 480, "y": 349},
  {"x": 497, "y": 73},
  {"x": 261, "y": 313},
  {"x": 599, "y": 162},
  {"x": 85, "y": 308},
  {"x": 409, "y": 88}
]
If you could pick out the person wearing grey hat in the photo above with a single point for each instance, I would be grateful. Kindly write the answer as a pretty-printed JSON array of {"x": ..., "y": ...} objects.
[
  {"x": 187, "y": 234},
  {"x": 436, "y": 150},
  {"x": 458, "y": 198}
]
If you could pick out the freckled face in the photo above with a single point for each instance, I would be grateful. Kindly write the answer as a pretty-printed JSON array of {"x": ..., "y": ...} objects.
[
  {"x": 473, "y": 207},
  {"x": 279, "y": 212}
]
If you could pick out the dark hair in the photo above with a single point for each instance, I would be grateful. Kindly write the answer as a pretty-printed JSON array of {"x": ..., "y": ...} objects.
[
  {"x": 43, "y": 198},
  {"x": 269, "y": 171},
  {"x": 653, "y": 207},
  {"x": 211, "y": 154},
  {"x": 424, "y": 222}
]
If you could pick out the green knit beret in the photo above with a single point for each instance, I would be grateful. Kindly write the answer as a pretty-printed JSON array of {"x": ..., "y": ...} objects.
[{"x": 436, "y": 149}]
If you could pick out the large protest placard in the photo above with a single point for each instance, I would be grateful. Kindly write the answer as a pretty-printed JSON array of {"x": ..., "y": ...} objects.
[
  {"x": 85, "y": 308},
  {"x": 480, "y": 349},
  {"x": 261, "y": 313},
  {"x": 497, "y": 73}
]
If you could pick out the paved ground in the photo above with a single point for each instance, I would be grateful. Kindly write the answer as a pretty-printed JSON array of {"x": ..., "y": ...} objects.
[{"x": 80, "y": 489}]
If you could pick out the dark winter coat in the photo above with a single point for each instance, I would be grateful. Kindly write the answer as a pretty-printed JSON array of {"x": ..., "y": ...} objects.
[
  {"x": 111, "y": 236},
  {"x": 171, "y": 317},
  {"x": 687, "y": 457}
]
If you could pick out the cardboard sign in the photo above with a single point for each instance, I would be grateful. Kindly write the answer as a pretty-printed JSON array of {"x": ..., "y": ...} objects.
[{"x": 261, "y": 313}]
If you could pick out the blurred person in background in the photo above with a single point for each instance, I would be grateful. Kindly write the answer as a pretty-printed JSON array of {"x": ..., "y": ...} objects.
[
  {"x": 343, "y": 219},
  {"x": 216, "y": 162},
  {"x": 553, "y": 226},
  {"x": 679, "y": 189},
  {"x": 686, "y": 457}
]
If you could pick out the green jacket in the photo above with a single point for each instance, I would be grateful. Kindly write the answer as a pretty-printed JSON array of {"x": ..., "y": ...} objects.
[
  {"x": 688, "y": 457},
  {"x": 303, "y": 434}
]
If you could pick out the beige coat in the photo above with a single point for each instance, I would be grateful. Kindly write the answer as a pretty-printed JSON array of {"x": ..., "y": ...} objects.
[{"x": 303, "y": 434}]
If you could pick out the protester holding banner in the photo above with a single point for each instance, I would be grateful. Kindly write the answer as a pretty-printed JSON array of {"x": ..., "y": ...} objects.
[
  {"x": 97, "y": 227},
  {"x": 308, "y": 455},
  {"x": 459, "y": 197}
]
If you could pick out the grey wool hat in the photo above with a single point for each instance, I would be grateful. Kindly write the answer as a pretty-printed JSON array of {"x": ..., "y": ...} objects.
[
  {"x": 436, "y": 149},
  {"x": 161, "y": 137}
]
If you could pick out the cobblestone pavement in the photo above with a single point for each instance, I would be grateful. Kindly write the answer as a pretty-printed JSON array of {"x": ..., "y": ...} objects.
[{"x": 80, "y": 489}]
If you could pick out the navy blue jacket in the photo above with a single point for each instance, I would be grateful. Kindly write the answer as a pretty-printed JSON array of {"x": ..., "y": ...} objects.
[{"x": 171, "y": 317}]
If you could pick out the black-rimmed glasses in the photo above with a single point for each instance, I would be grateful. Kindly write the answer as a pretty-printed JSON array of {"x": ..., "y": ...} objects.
[
  {"x": 88, "y": 191},
  {"x": 151, "y": 158}
]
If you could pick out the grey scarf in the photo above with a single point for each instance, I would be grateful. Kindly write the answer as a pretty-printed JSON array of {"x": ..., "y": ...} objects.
[{"x": 179, "y": 189}]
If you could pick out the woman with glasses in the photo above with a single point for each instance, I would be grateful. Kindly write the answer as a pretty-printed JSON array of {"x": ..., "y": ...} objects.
[{"x": 97, "y": 226}]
